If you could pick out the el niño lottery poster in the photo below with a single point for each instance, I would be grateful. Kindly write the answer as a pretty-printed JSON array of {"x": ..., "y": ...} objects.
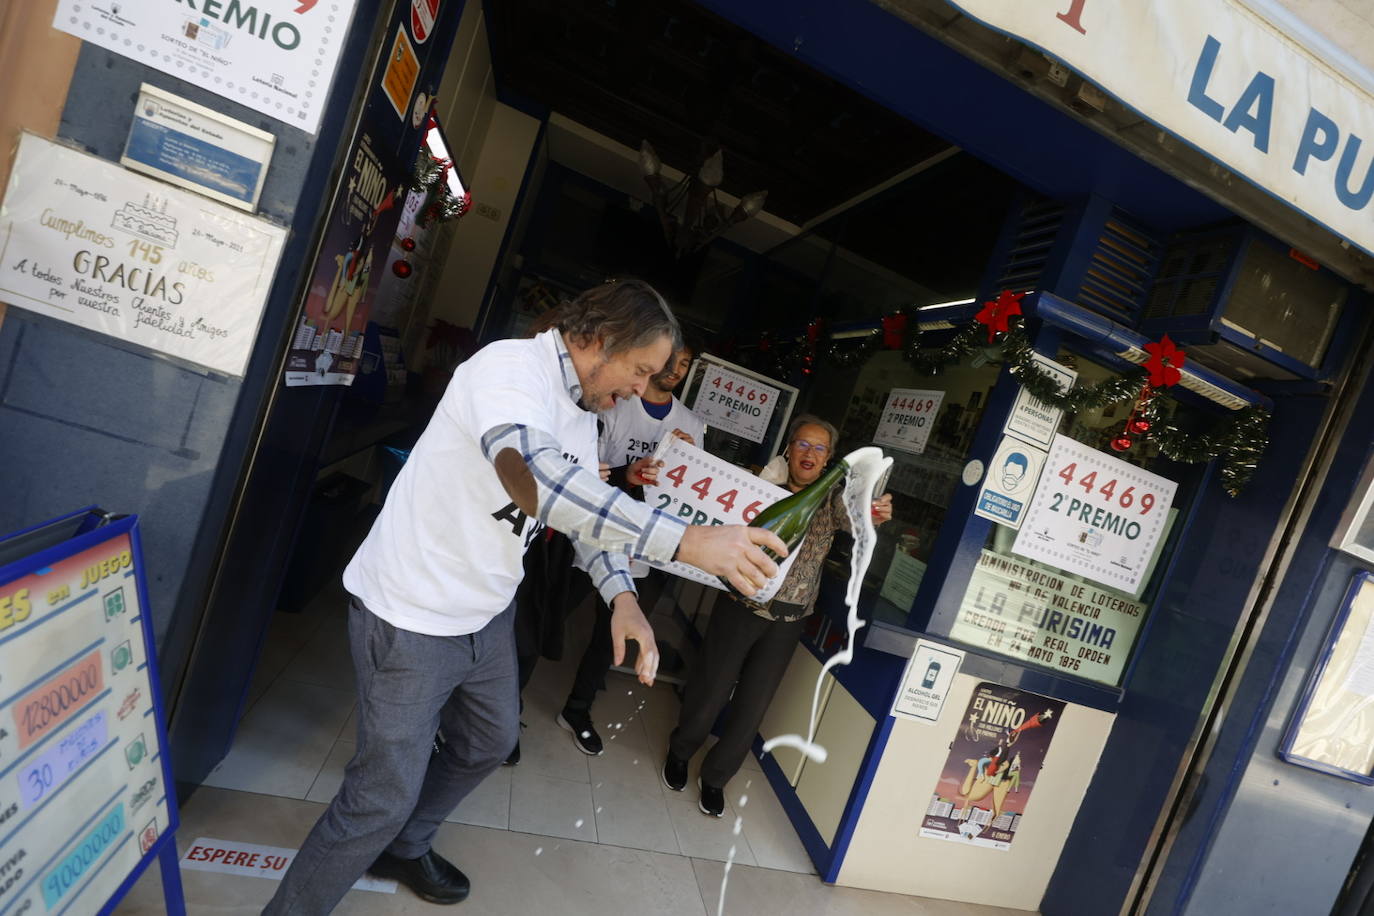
[{"x": 992, "y": 767}]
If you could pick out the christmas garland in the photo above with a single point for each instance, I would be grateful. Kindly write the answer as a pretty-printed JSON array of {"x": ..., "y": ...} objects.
[
  {"x": 431, "y": 175},
  {"x": 853, "y": 356},
  {"x": 1239, "y": 441}
]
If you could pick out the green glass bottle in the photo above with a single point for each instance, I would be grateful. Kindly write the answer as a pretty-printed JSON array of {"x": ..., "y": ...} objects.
[{"x": 790, "y": 516}]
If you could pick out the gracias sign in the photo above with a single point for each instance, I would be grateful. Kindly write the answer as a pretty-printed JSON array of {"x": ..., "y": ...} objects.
[
  {"x": 1228, "y": 82},
  {"x": 89, "y": 243}
]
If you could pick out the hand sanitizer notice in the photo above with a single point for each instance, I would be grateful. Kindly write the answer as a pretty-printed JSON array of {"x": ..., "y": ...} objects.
[{"x": 929, "y": 673}]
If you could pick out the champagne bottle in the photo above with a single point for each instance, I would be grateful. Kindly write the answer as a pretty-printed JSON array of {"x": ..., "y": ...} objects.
[{"x": 790, "y": 517}]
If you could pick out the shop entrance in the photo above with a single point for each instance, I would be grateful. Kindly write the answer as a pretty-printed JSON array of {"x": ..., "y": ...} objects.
[{"x": 869, "y": 219}]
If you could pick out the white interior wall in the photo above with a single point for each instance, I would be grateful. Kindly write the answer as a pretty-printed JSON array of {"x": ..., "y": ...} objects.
[{"x": 476, "y": 242}]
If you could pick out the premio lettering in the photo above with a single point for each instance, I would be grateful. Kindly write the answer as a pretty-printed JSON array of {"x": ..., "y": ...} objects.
[{"x": 249, "y": 19}]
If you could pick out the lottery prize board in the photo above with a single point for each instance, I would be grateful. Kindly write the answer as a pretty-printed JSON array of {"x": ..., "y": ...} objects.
[
  {"x": 907, "y": 418},
  {"x": 735, "y": 403},
  {"x": 1095, "y": 515},
  {"x": 701, "y": 489},
  {"x": 86, "y": 797}
]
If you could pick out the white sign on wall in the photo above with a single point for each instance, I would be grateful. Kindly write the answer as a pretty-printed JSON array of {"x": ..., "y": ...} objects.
[
  {"x": 1095, "y": 515},
  {"x": 1228, "y": 82},
  {"x": 903, "y": 579},
  {"x": 1033, "y": 612},
  {"x": 701, "y": 489},
  {"x": 907, "y": 419},
  {"x": 925, "y": 684},
  {"x": 1031, "y": 418},
  {"x": 89, "y": 243},
  {"x": 1010, "y": 481},
  {"x": 195, "y": 147},
  {"x": 276, "y": 58},
  {"x": 735, "y": 403}
]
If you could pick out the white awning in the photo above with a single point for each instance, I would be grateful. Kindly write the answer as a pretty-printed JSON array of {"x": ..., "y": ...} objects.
[{"x": 1226, "y": 81}]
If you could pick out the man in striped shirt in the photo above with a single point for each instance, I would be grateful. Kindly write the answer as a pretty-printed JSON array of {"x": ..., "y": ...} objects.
[{"x": 511, "y": 448}]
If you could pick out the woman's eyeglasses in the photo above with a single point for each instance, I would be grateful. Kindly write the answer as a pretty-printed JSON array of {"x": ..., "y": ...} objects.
[{"x": 802, "y": 445}]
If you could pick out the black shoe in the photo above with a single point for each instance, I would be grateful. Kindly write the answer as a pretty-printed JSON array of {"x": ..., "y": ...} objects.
[
  {"x": 514, "y": 757},
  {"x": 674, "y": 773},
  {"x": 712, "y": 800},
  {"x": 431, "y": 877},
  {"x": 583, "y": 734}
]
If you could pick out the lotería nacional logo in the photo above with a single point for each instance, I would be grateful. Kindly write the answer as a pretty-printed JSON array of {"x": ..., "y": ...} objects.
[
  {"x": 147, "y": 836},
  {"x": 140, "y": 798},
  {"x": 130, "y": 703},
  {"x": 114, "y": 603},
  {"x": 120, "y": 656},
  {"x": 136, "y": 750}
]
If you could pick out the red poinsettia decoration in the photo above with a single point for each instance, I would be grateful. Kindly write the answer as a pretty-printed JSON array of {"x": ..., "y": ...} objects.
[
  {"x": 996, "y": 313},
  {"x": 1164, "y": 362},
  {"x": 894, "y": 331}
]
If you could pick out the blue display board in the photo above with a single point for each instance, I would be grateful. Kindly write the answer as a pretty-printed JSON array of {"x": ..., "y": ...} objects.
[{"x": 86, "y": 799}]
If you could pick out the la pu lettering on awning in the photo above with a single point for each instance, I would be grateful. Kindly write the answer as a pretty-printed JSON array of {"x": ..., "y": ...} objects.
[{"x": 1228, "y": 82}]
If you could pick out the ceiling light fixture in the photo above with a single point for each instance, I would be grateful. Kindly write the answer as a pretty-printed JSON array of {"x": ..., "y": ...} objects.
[{"x": 689, "y": 211}]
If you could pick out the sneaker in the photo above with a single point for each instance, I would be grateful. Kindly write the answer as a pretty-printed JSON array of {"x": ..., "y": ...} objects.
[
  {"x": 583, "y": 734},
  {"x": 675, "y": 773},
  {"x": 712, "y": 800}
]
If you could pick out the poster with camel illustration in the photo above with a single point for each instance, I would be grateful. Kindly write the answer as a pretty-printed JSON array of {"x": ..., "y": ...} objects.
[{"x": 992, "y": 767}]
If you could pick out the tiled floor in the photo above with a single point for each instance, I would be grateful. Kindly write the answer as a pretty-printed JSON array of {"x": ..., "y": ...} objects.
[{"x": 560, "y": 833}]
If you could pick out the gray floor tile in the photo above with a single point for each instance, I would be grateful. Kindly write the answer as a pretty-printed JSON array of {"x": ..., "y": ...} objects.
[
  {"x": 551, "y": 807},
  {"x": 703, "y": 837},
  {"x": 489, "y": 803},
  {"x": 285, "y": 740},
  {"x": 627, "y": 815}
]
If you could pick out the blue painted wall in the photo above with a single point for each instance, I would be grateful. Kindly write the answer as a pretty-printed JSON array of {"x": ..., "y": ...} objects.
[
  {"x": 1171, "y": 673},
  {"x": 117, "y": 426},
  {"x": 1304, "y": 826}
]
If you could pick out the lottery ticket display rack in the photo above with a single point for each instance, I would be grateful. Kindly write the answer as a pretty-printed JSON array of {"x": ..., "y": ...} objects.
[{"x": 85, "y": 789}]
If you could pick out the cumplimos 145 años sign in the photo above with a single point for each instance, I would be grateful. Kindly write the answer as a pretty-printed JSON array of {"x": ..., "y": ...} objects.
[{"x": 92, "y": 244}]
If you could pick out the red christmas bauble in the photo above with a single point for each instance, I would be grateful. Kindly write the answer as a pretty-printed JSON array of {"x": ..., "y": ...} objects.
[
  {"x": 1122, "y": 443},
  {"x": 401, "y": 269},
  {"x": 1139, "y": 426},
  {"x": 408, "y": 244}
]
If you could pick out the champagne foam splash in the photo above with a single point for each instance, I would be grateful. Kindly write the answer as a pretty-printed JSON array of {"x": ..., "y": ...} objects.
[{"x": 868, "y": 472}]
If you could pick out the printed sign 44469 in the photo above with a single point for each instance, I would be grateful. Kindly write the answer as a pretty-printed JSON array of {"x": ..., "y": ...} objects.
[
  {"x": 702, "y": 488},
  {"x": 1095, "y": 515}
]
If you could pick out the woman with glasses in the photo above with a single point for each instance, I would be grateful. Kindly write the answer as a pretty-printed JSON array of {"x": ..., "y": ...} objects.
[{"x": 749, "y": 645}]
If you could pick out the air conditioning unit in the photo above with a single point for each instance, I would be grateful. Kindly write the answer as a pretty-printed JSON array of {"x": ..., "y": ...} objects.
[{"x": 1249, "y": 306}]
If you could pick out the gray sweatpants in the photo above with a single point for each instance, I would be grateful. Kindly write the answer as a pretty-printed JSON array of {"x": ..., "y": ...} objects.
[{"x": 396, "y": 792}]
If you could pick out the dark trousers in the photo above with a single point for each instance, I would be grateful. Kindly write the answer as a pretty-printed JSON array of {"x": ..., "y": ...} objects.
[
  {"x": 744, "y": 652},
  {"x": 396, "y": 790}
]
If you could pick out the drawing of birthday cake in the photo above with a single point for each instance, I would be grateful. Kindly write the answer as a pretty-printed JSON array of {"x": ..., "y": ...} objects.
[{"x": 146, "y": 223}]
